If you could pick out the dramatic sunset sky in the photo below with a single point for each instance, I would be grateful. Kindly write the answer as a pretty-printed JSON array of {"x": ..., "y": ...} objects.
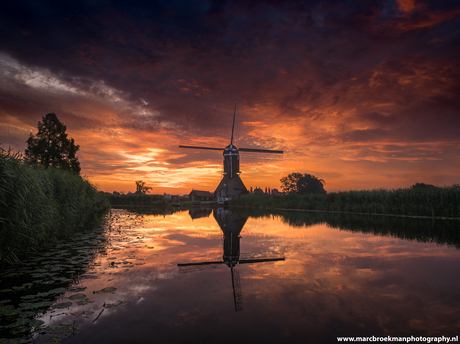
[{"x": 363, "y": 94}]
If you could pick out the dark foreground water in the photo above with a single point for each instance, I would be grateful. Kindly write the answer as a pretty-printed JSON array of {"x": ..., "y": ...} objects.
[{"x": 215, "y": 277}]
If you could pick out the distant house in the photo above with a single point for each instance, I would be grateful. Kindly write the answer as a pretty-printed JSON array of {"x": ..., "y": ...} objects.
[
  {"x": 197, "y": 195},
  {"x": 258, "y": 191},
  {"x": 275, "y": 192}
]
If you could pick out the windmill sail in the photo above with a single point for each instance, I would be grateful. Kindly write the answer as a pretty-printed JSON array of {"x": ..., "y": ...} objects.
[
  {"x": 195, "y": 147},
  {"x": 233, "y": 126},
  {"x": 255, "y": 150},
  {"x": 237, "y": 294}
]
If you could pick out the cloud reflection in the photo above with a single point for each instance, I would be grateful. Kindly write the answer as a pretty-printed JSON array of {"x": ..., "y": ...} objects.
[{"x": 333, "y": 282}]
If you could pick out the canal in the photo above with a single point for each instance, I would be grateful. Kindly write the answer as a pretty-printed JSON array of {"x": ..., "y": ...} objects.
[{"x": 215, "y": 276}]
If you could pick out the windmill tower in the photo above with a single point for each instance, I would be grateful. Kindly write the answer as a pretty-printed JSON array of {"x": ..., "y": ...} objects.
[
  {"x": 231, "y": 226},
  {"x": 231, "y": 184}
]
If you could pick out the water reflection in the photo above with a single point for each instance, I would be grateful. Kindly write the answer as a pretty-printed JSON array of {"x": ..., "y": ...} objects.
[
  {"x": 196, "y": 213},
  {"x": 443, "y": 232},
  {"x": 343, "y": 276},
  {"x": 231, "y": 225}
]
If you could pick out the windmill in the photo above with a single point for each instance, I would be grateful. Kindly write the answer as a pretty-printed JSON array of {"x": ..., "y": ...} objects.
[
  {"x": 231, "y": 184},
  {"x": 231, "y": 226}
]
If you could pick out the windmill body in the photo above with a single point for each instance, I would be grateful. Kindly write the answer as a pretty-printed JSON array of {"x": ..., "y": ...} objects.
[{"x": 231, "y": 184}]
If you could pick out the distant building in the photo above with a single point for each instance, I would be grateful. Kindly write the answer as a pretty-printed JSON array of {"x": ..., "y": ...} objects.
[
  {"x": 258, "y": 191},
  {"x": 200, "y": 195},
  {"x": 275, "y": 192}
]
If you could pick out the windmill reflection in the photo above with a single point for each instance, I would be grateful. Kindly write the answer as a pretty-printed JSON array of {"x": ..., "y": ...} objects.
[{"x": 231, "y": 226}]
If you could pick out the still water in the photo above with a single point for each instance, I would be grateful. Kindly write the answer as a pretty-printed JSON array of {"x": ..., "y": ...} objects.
[{"x": 212, "y": 276}]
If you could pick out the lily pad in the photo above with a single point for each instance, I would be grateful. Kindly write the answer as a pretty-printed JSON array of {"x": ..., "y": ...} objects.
[
  {"x": 108, "y": 290},
  {"x": 41, "y": 274},
  {"x": 29, "y": 297},
  {"x": 112, "y": 305},
  {"x": 76, "y": 289},
  {"x": 13, "y": 274},
  {"x": 62, "y": 305},
  {"x": 57, "y": 291},
  {"x": 77, "y": 297},
  {"x": 61, "y": 332},
  {"x": 25, "y": 322},
  {"x": 89, "y": 277},
  {"x": 34, "y": 305},
  {"x": 65, "y": 280},
  {"x": 18, "y": 329},
  {"x": 84, "y": 302},
  {"x": 8, "y": 310},
  {"x": 14, "y": 341}
]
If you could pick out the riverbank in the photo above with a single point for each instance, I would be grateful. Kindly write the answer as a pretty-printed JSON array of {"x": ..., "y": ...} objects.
[
  {"x": 428, "y": 202},
  {"x": 157, "y": 201},
  {"x": 39, "y": 205}
]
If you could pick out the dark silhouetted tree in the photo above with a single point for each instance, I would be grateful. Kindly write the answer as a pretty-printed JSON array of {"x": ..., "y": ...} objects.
[
  {"x": 51, "y": 147},
  {"x": 141, "y": 188},
  {"x": 302, "y": 184},
  {"x": 423, "y": 186}
]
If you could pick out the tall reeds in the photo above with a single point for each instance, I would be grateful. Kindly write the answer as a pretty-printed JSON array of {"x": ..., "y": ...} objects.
[
  {"x": 38, "y": 205},
  {"x": 433, "y": 201}
]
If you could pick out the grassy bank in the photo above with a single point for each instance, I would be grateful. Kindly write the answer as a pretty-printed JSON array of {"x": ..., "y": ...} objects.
[
  {"x": 443, "y": 202},
  {"x": 38, "y": 205},
  {"x": 157, "y": 201}
]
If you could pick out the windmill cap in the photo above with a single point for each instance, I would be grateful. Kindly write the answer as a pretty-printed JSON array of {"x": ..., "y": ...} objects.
[{"x": 231, "y": 147}]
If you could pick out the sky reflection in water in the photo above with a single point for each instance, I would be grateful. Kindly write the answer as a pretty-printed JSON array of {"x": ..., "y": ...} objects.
[{"x": 331, "y": 283}]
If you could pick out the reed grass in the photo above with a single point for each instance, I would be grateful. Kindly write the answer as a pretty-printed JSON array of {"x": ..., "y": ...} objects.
[
  {"x": 39, "y": 205},
  {"x": 433, "y": 201}
]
